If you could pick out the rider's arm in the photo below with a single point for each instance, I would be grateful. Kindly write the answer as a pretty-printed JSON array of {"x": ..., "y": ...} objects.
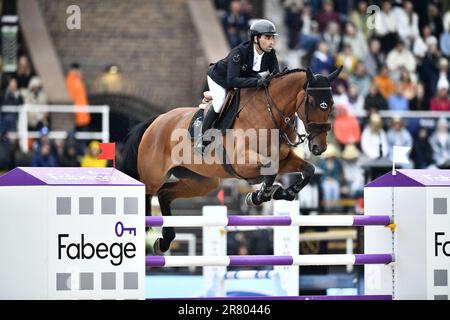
[{"x": 233, "y": 72}]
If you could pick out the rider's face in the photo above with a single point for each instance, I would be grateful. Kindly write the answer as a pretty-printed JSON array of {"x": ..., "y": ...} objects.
[{"x": 267, "y": 42}]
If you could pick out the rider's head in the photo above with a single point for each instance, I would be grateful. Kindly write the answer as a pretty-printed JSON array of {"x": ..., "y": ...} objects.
[{"x": 262, "y": 33}]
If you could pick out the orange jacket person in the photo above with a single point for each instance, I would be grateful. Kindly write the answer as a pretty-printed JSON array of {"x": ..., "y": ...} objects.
[{"x": 77, "y": 92}]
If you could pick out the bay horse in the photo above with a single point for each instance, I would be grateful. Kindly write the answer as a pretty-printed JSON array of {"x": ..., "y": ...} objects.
[{"x": 148, "y": 150}]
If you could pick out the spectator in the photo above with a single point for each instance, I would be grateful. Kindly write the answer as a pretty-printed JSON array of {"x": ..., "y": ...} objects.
[
  {"x": 321, "y": 61},
  {"x": 222, "y": 7},
  {"x": 77, "y": 91},
  {"x": 399, "y": 57},
  {"x": 11, "y": 97},
  {"x": 407, "y": 86},
  {"x": 419, "y": 102},
  {"x": 397, "y": 135},
  {"x": 70, "y": 156},
  {"x": 292, "y": 19},
  {"x": 7, "y": 154},
  {"x": 340, "y": 97},
  {"x": 444, "y": 41},
  {"x": 44, "y": 139},
  {"x": 374, "y": 142},
  {"x": 90, "y": 160},
  {"x": 327, "y": 15},
  {"x": 408, "y": 24},
  {"x": 44, "y": 157},
  {"x": 397, "y": 102},
  {"x": 429, "y": 71},
  {"x": 375, "y": 59},
  {"x": 333, "y": 38},
  {"x": 235, "y": 24},
  {"x": 352, "y": 171},
  {"x": 347, "y": 59},
  {"x": 360, "y": 79},
  {"x": 384, "y": 83},
  {"x": 24, "y": 73},
  {"x": 421, "y": 44},
  {"x": 355, "y": 101},
  {"x": 444, "y": 75},
  {"x": 359, "y": 19},
  {"x": 422, "y": 153},
  {"x": 441, "y": 102},
  {"x": 434, "y": 20},
  {"x": 374, "y": 100},
  {"x": 308, "y": 40},
  {"x": 386, "y": 27},
  {"x": 330, "y": 179},
  {"x": 35, "y": 95},
  {"x": 440, "y": 143},
  {"x": 356, "y": 40},
  {"x": 447, "y": 21}
]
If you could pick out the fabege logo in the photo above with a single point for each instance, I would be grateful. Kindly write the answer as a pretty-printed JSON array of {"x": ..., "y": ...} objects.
[
  {"x": 86, "y": 250},
  {"x": 438, "y": 244}
]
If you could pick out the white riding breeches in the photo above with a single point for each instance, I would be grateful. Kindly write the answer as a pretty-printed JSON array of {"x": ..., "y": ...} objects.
[{"x": 218, "y": 94}]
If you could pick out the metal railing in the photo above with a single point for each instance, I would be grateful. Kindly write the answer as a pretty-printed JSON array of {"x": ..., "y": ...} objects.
[{"x": 23, "y": 134}]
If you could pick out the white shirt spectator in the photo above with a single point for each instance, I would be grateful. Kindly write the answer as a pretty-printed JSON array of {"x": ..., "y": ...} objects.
[
  {"x": 401, "y": 58},
  {"x": 447, "y": 21},
  {"x": 420, "y": 47},
  {"x": 408, "y": 29},
  {"x": 370, "y": 143},
  {"x": 385, "y": 23}
]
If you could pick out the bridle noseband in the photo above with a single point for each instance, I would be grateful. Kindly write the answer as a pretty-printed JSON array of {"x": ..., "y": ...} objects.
[{"x": 313, "y": 129}]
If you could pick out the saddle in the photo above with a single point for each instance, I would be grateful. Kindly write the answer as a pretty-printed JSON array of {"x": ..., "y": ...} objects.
[{"x": 227, "y": 115}]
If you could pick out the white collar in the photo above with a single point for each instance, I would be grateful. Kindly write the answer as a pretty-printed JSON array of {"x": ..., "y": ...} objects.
[{"x": 256, "y": 54}]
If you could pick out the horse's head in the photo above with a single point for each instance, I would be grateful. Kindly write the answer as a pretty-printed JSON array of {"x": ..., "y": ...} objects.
[{"x": 318, "y": 106}]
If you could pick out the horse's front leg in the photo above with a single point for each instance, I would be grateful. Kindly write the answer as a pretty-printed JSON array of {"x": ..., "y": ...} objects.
[
  {"x": 264, "y": 194},
  {"x": 293, "y": 163}
]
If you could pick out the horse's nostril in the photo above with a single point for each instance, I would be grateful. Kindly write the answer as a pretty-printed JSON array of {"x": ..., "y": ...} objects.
[{"x": 315, "y": 149}]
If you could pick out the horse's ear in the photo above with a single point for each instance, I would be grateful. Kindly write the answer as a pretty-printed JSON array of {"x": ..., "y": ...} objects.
[
  {"x": 334, "y": 74},
  {"x": 309, "y": 74}
]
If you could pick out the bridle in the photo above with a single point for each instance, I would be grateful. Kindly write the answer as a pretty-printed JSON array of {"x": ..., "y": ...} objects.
[{"x": 313, "y": 129}]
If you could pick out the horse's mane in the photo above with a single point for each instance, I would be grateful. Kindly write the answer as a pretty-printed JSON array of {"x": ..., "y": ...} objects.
[{"x": 286, "y": 72}]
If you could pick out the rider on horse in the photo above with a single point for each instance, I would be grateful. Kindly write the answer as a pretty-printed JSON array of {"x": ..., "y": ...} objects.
[{"x": 244, "y": 67}]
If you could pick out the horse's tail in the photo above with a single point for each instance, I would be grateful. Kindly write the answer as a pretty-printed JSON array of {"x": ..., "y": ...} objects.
[{"x": 128, "y": 164}]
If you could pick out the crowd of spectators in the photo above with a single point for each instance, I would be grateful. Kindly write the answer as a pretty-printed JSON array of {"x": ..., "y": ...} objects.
[{"x": 24, "y": 87}]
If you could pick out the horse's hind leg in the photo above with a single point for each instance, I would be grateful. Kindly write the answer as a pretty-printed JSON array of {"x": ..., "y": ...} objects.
[
  {"x": 184, "y": 188},
  {"x": 293, "y": 163}
]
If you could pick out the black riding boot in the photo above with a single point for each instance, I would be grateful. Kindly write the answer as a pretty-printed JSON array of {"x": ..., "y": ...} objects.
[{"x": 210, "y": 117}]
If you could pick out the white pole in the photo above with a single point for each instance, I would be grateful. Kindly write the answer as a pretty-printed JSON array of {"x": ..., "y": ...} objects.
[
  {"x": 214, "y": 244},
  {"x": 286, "y": 242}
]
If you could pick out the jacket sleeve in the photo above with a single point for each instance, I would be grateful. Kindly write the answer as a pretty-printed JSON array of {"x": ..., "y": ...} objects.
[{"x": 233, "y": 72}]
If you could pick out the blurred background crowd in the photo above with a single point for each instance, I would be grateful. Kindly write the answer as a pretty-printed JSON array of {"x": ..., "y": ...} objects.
[{"x": 396, "y": 60}]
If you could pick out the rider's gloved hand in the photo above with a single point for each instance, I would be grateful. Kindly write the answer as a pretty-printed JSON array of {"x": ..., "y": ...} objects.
[{"x": 262, "y": 83}]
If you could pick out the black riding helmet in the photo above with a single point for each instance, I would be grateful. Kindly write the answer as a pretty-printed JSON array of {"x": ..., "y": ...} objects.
[{"x": 261, "y": 27}]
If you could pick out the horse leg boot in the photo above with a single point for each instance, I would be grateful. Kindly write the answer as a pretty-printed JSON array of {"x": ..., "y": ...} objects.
[
  {"x": 290, "y": 192},
  {"x": 168, "y": 233},
  {"x": 264, "y": 194},
  {"x": 210, "y": 118},
  {"x": 293, "y": 163}
]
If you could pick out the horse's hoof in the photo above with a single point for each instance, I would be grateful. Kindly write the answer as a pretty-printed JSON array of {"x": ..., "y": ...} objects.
[
  {"x": 156, "y": 247},
  {"x": 159, "y": 247}
]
